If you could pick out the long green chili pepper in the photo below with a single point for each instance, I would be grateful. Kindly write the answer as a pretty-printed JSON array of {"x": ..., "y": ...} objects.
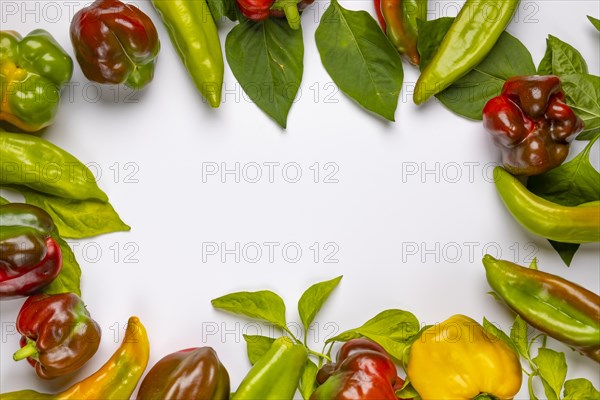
[
  {"x": 276, "y": 374},
  {"x": 470, "y": 38},
  {"x": 401, "y": 25},
  {"x": 551, "y": 304},
  {"x": 579, "y": 224},
  {"x": 193, "y": 32},
  {"x": 31, "y": 161}
]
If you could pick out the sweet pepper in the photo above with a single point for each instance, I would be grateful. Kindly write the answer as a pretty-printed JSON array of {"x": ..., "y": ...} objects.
[
  {"x": 276, "y": 374},
  {"x": 191, "y": 374},
  {"x": 562, "y": 309},
  {"x": 33, "y": 70},
  {"x": 363, "y": 371},
  {"x": 259, "y": 10},
  {"x": 30, "y": 258},
  {"x": 577, "y": 224},
  {"x": 531, "y": 124},
  {"x": 115, "y": 380},
  {"x": 59, "y": 336},
  {"x": 115, "y": 43},
  {"x": 457, "y": 359},
  {"x": 400, "y": 18}
]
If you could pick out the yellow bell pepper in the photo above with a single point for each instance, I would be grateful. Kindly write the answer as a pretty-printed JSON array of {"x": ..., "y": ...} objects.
[{"x": 457, "y": 359}]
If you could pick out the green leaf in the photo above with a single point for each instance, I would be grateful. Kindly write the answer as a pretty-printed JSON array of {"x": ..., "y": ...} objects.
[
  {"x": 69, "y": 279},
  {"x": 545, "y": 67},
  {"x": 594, "y": 21},
  {"x": 552, "y": 367},
  {"x": 263, "y": 305},
  {"x": 583, "y": 95},
  {"x": 257, "y": 346},
  {"x": 407, "y": 391},
  {"x": 267, "y": 60},
  {"x": 565, "y": 58},
  {"x": 313, "y": 299},
  {"x": 308, "y": 380},
  {"x": 566, "y": 251},
  {"x": 493, "y": 330},
  {"x": 222, "y": 8},
  {"x": 391, "y": 329},
  {"x": 468, "y": 95},
  {"x": 77, "y": 218},
  {"x": 3, "y": 201},
  {"x": 577, "y": 389},
  {"x": 360, "y": 59},
  {"x": 518, "y": 335}
]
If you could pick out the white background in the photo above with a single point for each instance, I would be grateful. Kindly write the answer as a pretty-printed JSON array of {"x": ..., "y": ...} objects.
[{"x": 404, "y": 241}]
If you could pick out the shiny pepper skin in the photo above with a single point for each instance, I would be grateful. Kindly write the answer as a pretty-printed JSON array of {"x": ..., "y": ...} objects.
[
  {"x": 115, "y": 43},
  {"x": 30, "y": 258},
  {"x": 115, "y": 380},
  {"x": 458, "y": 360},
  {"x": 33, "y": 70},
  {"x": 363, "y": 371},
  {"x": 531, "y": 124},
  {"x": 59, "y": 336},
  {"x": 259, "y": 10},
  {"x": 170, "y": 378}
]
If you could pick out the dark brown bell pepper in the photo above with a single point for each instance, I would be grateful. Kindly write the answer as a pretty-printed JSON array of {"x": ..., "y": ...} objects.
[
  {"x": 191, "y": 374},
  {"x": 30, "y": 258},
  {"x": 115, "y": 43},
  {"x": 531, "y": 124},
  {"x": 363, "y": 371},
  {"x": 59, "y": 336}
]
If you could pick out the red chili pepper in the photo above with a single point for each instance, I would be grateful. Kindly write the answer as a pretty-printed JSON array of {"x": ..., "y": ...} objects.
[
  {"x": 59, "y": 336},
  {"x": 115, "y": 43},
  {"x": 255, "y": 10},
  {"x": 377, "y": 4},
  {"x": 531, "y": 124}
]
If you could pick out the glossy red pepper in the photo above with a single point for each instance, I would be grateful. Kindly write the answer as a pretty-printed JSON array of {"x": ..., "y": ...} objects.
[
  {"x": 255, "y": 10},
  {"x": 363, "y": 371},
  {"x": 115, "y": 43},
  {"x": 531, "y": 124},
  {"x": 191, "y": 374},
  {"x": 30, "y": 258},
  {"x": 377, "y": 4},
  {"x": 59, "y": 336}
]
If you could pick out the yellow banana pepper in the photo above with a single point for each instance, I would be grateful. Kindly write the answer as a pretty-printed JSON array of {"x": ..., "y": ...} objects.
[{"x": 457, "y": 359}]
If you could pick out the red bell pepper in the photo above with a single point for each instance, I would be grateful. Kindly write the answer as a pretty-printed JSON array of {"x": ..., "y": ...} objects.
[{"x": 59, "y": 336}]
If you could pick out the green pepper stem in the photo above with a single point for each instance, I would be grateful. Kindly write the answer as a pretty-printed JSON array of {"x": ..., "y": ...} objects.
[
  {"x": 26, "y": 351},
  {"x": 320, "y": 355}
]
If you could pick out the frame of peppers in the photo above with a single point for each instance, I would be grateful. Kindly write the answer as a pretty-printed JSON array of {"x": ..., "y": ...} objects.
[{"x": 243, "y": 206}]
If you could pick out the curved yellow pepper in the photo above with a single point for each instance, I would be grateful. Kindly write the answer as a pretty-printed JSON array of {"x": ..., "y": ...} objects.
[{"x": 458, "y": 359}]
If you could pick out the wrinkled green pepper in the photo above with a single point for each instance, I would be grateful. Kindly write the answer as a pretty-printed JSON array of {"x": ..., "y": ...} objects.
[
  {"x": 276, "y": 375},
  {"x": 191, "y": 374},
  {"x": 194, "y": 34},
  {"x": 30, "y": 258},
  {"x": 363, "y": 371},
  {"x": 33, "y": 70},
  {"x": 565, "y": 311},
  {"x": 400, "y": 18},
  {"x": 34, "y": 162},
  {"x": 115, "y": 380},
  {"x": 59, "y": 336},
  {"x": 578, "y": 224},
  {"x": 470, "y": 38}
]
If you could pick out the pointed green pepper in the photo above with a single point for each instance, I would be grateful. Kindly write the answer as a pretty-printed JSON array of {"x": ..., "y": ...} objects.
[
  {"x": 468, "y": 41},
  {"x": 579, "y": 224},
  {"x": 563, "y": 310},
  {"x": 276, "y": 375},
  {"x": 193, "y": 32}
]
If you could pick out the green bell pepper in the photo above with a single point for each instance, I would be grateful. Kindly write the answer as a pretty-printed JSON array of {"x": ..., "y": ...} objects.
[{"x": 33, "y": 69}]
